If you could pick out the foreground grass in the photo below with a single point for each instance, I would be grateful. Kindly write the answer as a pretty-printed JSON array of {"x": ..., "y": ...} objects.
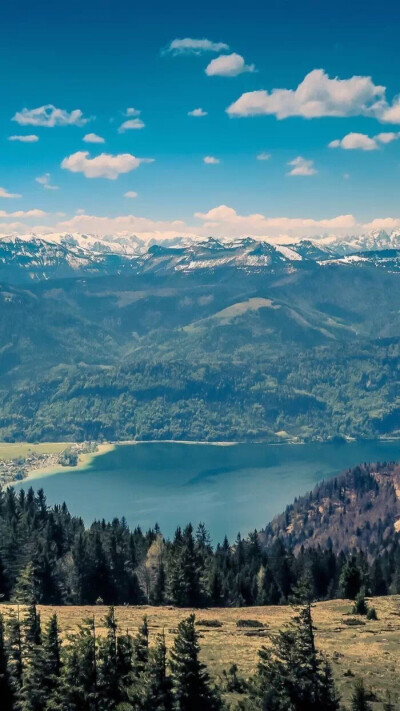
[
  {"x": 370, "y": 650},
  {"x": 13, "y": 450}
]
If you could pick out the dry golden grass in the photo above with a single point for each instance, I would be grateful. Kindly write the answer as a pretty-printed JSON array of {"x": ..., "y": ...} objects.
[{"x": 371, "y": 650}]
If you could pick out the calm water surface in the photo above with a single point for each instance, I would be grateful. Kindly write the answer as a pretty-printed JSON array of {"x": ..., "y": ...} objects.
[{"x": 230, "y": 489}]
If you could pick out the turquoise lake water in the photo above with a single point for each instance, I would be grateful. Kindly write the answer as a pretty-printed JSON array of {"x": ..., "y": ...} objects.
[{"x": 231, "y": 489}]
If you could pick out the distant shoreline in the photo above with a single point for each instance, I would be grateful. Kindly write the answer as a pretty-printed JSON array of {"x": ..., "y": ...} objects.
[{"x": 86, "y": 459}]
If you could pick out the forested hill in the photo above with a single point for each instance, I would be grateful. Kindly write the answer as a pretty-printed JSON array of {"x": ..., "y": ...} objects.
[
  {"x": 212, "y": 342},
  {"x": 342, "y": 537},
  {"x": 360, "y": 509}
]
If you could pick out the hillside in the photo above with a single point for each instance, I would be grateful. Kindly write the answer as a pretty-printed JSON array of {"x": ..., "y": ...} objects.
[
  {"x": 359, "y": 509},
  {"x": 210, "y": 341},
  {"x": 370, "y": 650}
]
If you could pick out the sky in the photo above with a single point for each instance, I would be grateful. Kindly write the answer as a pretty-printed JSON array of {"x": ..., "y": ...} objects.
[{"x": 278, "y": 119}]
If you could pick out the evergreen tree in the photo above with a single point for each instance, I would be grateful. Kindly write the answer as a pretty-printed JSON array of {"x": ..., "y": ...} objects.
[
  {"x": 109, "y": 683},
  {"x": 32, "y": 694},
  {"x": 191, "y": 683},
  {"x": 291, "y": 674},
  {"x": 359, "y": 700},
  {"x": 51, "y": 651},
  {"x": 6, "y": 690},
  {"x": 157, "y": 690},
  {"x": 14, "y": 652},
  {"x": 78, "y": 682}
]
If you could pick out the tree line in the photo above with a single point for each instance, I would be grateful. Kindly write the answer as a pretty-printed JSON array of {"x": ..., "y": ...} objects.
[
  {"x": 41, "y": 670},
  {"x": 48, "y": 555}
]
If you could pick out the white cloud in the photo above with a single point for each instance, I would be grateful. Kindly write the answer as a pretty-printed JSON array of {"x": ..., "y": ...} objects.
[
  {"x": 228, "y": 65},
  {"x": 387, "y": 137},
  {"x": 195, "y": 46},
  {"x": 50, "y": 116},
  {"x": 355, "y": 141},
  {"x": 131, "y": 124},
  {"x": 317, "y": 95},
  {"x": 23, "y": 213},
  {"x": 197, "y": 112},
  {"x": 360, "y": 141},
  {"x": 5, "y": 194},
  {"x": 391, "y": 114},
  {"x": 264, "y": 156},
  {"x": 30, "y": 138},
  {"x": 80, "y": 211},
  {"x": 301, "y": 166},
  {"x": 103, "y": 166},
  {"x": 131, "y": 194},
  {"x": 211, "y": 160},
  {"x": 93, "y": 138},
  {"x": 132, "y": 112},
  {"x": 45, "y": 181},
  {"x": 223, "y": 222}
]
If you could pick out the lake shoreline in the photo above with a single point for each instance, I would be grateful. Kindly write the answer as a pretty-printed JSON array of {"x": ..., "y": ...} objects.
[{"x": 85, "y": 460}]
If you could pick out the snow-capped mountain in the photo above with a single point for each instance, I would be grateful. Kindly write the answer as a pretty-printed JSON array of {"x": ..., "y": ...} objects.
[{"x": 28, "y": 257}]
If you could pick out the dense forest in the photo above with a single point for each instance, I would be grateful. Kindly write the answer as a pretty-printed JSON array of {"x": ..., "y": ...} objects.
[
  {"x": 48, "y": 555},
  {"x": 216, "y": 354}
]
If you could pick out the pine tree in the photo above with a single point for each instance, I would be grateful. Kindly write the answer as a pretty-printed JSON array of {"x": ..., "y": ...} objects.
[
  {"x": 51, "y": 647},
  {"x": 32, "y": 694},
  {"x": 291, "y": 674},
  {"x": 14, "y": 652},
  {"x": 191, "y": 683},
  {"x": 359, "y": 700},
  {"x": 109, "y": 685},
  {"x": 6, "y": 691},
  {"x": 78, "y": 682},
  {"x": 157, "y": 692}
]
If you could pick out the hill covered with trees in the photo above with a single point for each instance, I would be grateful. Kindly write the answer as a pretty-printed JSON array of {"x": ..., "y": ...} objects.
[{"x": 343, "y": 537}]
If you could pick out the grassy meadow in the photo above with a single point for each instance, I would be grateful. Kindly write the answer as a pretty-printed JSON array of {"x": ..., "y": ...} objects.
[{"x": 370, "y": 649}]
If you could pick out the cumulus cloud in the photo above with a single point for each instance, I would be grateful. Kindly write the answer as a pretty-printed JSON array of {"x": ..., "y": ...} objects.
[
  {"x": 301, "y": 166},
  {"x": 23, "y": 213},
  {"x": 391, "y": 114},
  {"x": 264, "y": 156},
  {"x": 317, "y": 95},
  {"x": 197, "y": 113},
  {"x": 93, "y": 138},
  {"x": 5, "y": 194},
  {"x": 132, "y": 112},
  {"x": 50, "y": 116},
  {"x": 228, "y": 65},
  {"x": 45, "y": 180},
  {"x": 131, "y": 194},
  {"x": 360, "y": 141},
  {"x": 103, "y": 166},
  {"x": 131, "y": 124},
  {"x": 29, "y": 138},
  {"x": 195, "y": 46},
  {"x": 222, "y": 221},
  {"x": 211, "y": 160}
]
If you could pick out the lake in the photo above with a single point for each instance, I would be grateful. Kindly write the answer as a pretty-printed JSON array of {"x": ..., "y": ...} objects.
[{"x": 230, "y": 488}]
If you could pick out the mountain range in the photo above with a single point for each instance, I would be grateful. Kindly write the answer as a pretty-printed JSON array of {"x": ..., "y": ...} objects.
[
  {"x": 24, "y": 258},
  {"x": 213, "y": 340}
]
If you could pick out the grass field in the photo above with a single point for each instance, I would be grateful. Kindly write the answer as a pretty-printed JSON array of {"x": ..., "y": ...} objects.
[
  {"x": 13, "y": 450},
  {"x": 370, "y": 650}
]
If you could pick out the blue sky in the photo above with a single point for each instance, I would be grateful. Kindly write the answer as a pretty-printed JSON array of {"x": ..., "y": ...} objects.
[{"x": 102, "y": 58}]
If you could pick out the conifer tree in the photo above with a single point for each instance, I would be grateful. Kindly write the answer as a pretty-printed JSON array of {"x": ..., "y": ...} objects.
[
  {"x": 78, "y": 682},
  {"x": 291, "y": 674},
  {"x": 51, "y": 651},
  {"x": 157, "y": 692},
  {"x": 191, "y": 683},
  {"x": 359, "y": 700},
  {"x": 6, "y": 691},
  {"x": 109, "y": 683},
  {"x": 14, "y": 652}
]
